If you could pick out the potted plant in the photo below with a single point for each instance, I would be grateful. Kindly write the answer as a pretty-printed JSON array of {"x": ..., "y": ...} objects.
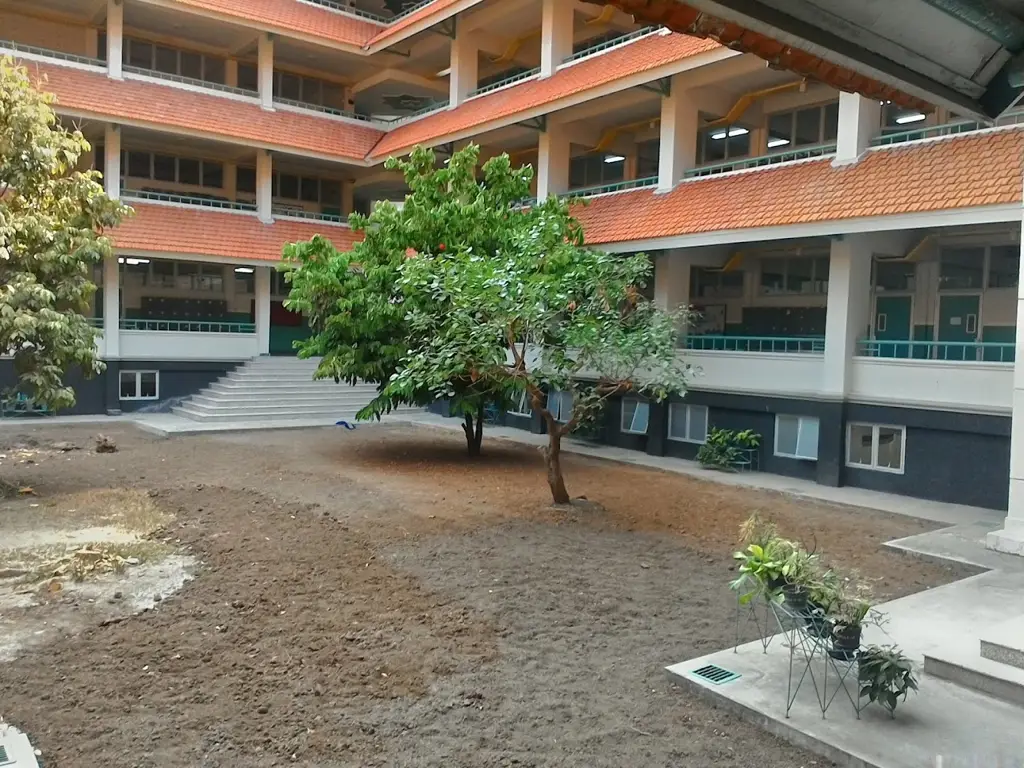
[
  {"x": 798, "y": 574},
  {"x": 822, "y": 592},
  {"x": 885, "y": 676},
  {"x": 756, "y": 530},
  {"x": 760, "y": 571},
  {"x": 728, "y": 450},
  {"x": 847, "y": 615}
]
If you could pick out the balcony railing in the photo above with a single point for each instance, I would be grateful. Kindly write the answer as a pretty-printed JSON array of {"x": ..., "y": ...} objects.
[
  {"x": 298, "y": 213},
  {"x": 95, "y": 322},
  {"x": 803, "y": 153},
  {"x": 432, "y": 107},
  {"x": 323, "y": 109},
  {"x": 51, "y": 53},
  {"x": 618, "y": 186},
  {"x": 812, "y": 345},
  {"x": 957, "y": 351},
  {"x": 198, "y": 200},
  {"x": 506, "y": 81},
  {"x": 196, "y": 81},
  {"x": 335, "y": 5},
  {"x": 946, "y": 129},
  {"x": 186, "y": 326},
  {"x": 603, "y": 46}
]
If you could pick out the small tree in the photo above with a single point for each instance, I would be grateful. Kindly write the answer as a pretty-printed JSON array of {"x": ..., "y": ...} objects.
[{"x": 51, "y": 222}]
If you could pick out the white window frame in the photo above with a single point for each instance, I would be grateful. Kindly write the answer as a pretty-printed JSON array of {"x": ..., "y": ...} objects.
[
  {"x": 629, "y": 430},
  {"x": 559, "y": 393},
  {"x": 521, "y": 405},
  {"x": 874, "y": 467},
  {"x": 799, "y": 429},
  {"x": 689, "y": 409},
  {"x": 787, "y": 260},
  {"x": 138, "y": 384}
]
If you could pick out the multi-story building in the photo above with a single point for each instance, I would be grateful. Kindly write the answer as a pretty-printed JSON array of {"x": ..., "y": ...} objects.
[{"x": 855, "y": 264}]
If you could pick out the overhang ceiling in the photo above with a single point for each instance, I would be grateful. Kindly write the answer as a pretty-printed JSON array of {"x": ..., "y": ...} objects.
[{"x": 967, "y": 55}]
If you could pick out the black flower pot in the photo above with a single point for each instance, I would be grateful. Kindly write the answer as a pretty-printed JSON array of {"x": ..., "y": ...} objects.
[
  {"x": 796, "y": 599},
  {"x": 776, "y": 583},
  {"x": 845, "y": 643},
  {"x": 815, "y": 619}
]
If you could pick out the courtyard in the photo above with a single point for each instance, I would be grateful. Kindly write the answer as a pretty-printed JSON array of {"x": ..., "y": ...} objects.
[{"x": 375, "y": 598}]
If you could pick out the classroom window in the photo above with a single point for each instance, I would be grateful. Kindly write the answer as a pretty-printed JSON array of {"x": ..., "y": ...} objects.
[
  {"x": 894, "y": 275},
  {"x": 961, "y": 268},
  {"x": 721, "y": 143},
  {"x": 688, "y": 423},
  {"x": 189, "y": 171},
  {"x": 636, "y": 415},
  {"x": 140, "y": 385},
  {"x": 245, "y": 180},
  {"x": 288, "y": 186},
  {"x": 520, "y": 405},
  {"x": 715, "y": 284},
  {"x": 560, "y": 405},
  {"x": 593, "y": 169},
  {"x": 248, "y": 77},
  {"x": 876, "y": 446},
  {"x": 1003, "y": 266},
  {"x": 796, "y": 437},
  {"x": 803, "y": 127},
  {"x": 213, "y": 174},
  {"x": 139, "y": 165},
  {"x": 794, "y": 275}
]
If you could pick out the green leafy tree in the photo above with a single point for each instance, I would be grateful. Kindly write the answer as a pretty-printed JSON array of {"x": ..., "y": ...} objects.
[{"x": 51, "y": 222}]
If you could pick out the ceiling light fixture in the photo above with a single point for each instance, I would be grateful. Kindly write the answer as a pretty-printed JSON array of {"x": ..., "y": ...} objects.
[
  {"x": 772, "y": 143},
  {"x": 914, "y": 117},
  {"x": 244, "y": 270},
  {"x": 613, "y": 158}
]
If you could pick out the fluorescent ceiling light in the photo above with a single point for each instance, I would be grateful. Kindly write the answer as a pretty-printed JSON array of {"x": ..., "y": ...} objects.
[
  {"x": 772, "y": 143},
  {"x": 738, "y": 132},
  {"x": 719, "y": 135},
  {"x": 134, "y": 262},
  {"x": 613, "y": 158},
  {"x": 244, "y": 270},
  {"x": 914, "y": 117},
  {"x": 120, "y": 261}
]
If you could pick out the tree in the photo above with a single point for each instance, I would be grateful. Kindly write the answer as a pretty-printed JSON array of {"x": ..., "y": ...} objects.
[
  {"x": 51, "y": 221},
  {"x": 358, "y": 314}
]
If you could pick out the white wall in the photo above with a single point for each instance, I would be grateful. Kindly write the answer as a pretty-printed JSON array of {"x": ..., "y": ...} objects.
[
  {"x": 772, "y": 373},
  {"x": 173, "y": 345},
  {"x": 986, "y": 387}
]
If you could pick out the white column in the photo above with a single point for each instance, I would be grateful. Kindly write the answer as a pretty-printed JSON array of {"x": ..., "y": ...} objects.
[
  {"x": 265, "y": 64},
  {"x": 264, "y": 186},
  {"x": 1011, "y": 537},
  {"x": 462, "y": 77},
  {"x": 115, "y": 38},
  {"x": 111, "y": 309},
  {"x": 859, "y": 122},
  {"x": 262, "y": 286},
  {"x": 553, "y": 155},
  {"x": 112, "y": 162},
  {"x": 671, "y": 280},
  {"x": 848, "y": 311},
  {"x": 677, "y": 148},
  {"x": 556, "y": 34}
]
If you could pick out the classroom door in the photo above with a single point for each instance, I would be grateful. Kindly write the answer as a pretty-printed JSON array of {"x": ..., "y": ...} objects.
[
  {"x": 892, "y": 324},
  {"x": 958, "y": 326}
]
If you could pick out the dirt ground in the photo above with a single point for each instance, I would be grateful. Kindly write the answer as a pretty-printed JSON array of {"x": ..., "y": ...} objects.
[{"x": 373, "y": 598}]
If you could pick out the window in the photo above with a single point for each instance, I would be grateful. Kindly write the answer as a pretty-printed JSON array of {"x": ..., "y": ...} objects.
[
  {"x": 520, "y": 405},
  {"x": 248, "y": 77},
  {"x": 138, "y": 54},
  {"x": 139, "y": 165},
  {"x": 635, "y": 416},
  {"x": 716, "y": 284},
  {"x": 289, "y": 86},
  {"x": 1003, "y": 266},
  {"x": 895, "y": 275},
  {"x": 166, "y": 60},
  {"x": 803, "y": 127},
  {"x": 592, "y": 169},
  {"x": 288, "y": 186},
  {"x": 727, "y": 142},
  {"x": 560, "y": 405},
  {"x": 648, "y": 155},
  {"x": 214, "y": 70},
  {"x": 794, "y": 275},
  {"x": 171, "y": 61},
  {"x": 897, "y": 119},
  {"x": 688, "y": 423},
  {"x": 876, "y": 446},
  {"x": 961, "y": 268},
  {"x": 189, "y": 172},
  {"x": 164, "y": 168},
  {"x": 213, "y": 174},
  {"x": 330, "y": 193},
  {"x": 140, "y": 385},
  {"x": 246, "y": 180},
  {"x": 310, "y": 191},
  {"x": 796, "y": 437}
]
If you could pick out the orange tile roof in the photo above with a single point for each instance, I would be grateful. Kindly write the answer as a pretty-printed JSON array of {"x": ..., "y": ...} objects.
[
  {"x": 643, "y": 55},
  {"x": 202, "y": 232},
  {"x": 964, "y": 171},
  {"x": 83, "y": 92}
]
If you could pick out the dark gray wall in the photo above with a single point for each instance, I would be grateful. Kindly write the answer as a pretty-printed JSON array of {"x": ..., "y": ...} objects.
[{"x": 89, "y": 393}]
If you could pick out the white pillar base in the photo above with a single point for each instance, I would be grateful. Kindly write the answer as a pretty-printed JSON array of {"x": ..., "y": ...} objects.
[{"x": 1009, "y": 540}]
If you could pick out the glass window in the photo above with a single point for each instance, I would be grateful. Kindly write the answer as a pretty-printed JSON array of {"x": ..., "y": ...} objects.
[
  {"x": 129, "y": 388},
  {"x": 213, "y": 174},
  {"x": 723, "y": 143},
  {"x": 961, "y": 268},
  {"x": 333, "y": 95},
  {"x": 147, "y": 385},
  {"x": 330, "y": 193},
  {"x": 688, "y": 423},
  {"x": 800, "y": 276},
  {"x": 164, "y": 168},
  {"x": 560, "y": 405},
  {"x": 876, "y": 446},
  {"x": 808, "y": 126},
  {"x": 139, "y": 165},
  {"x": 635, "y": 416},
  {"x": 716, "y": 284},
  {"x": 289, "y": 86},
  {"x": 890, "y": 448},
  {"x": 288, "y": 186},
  {"x": 192, "y": 65},
  {"x": 520, "y": 405},
  {"x": 648, "y": 155},
  {"x": 139, "y": 54},
  {"x": 139, "y": 385},
  {"x": 246, "y": 180},
  {"x": 780, "y": 132},
  {"x": 248, "y": 77},
  {"x": 163, "y": 273},
  {"x": 311, "y": 90},
  {"x": 310, "y": 191},
  {"x": 214, "y": 70},
  {"x": 188, "y": 171},
  {"x": 831, "y": 121},
  {"x": 166, "y": 60},
  {"x": 895, "y": 275},
  {"x": 796, "y": 437},
  {"x": 773, "y": 275},
  {"x": 794, "y": 275},
  {"x": 1003, "y": 266}
]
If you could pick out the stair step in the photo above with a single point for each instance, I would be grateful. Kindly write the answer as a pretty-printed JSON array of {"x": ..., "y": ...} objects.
[
  {"x": 241, "y": 401},
  {"x": 329, "y": 415},
  {"x": 989, "y": 677},
  {"x": 1005, "y": 643}
]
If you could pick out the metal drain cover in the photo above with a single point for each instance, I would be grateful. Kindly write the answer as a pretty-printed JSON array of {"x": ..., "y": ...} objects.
[{"x": 715, "y": 674}]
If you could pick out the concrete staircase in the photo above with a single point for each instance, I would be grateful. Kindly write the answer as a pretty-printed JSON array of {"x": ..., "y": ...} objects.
[
  {"x": 997, "y": 670},
  {"x": 276, "y": 388}
]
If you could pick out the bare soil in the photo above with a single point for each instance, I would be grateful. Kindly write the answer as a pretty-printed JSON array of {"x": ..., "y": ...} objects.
[{"x": 373, "y": 598}]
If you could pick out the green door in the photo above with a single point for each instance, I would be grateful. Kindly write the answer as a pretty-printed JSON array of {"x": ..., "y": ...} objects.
[
  {"x": 892, "y": 324},
  {"x": 958, "y": 326}
]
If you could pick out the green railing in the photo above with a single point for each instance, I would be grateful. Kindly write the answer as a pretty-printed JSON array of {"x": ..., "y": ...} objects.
[
  {"x": 196, "y": 81},
  {"x": 961, "y": 351},
  {"x": 603, "y": 46},
  {"x": 170, "y": 197},
  {"x": 323, "y": 109},
  {"x": 434, "y": 107},
  {"x": 804, "y": 153},
  {"x": 186, "y": 326},
  {"x": 814, "y": 345},
  {"x": 334, "y": 218},
  {"x": 50, "y": 53},
  {"x": 530, "y": 73},
  {"x": 946, "y": 129},
  {"x": 96, "y": 322},
  {"x": 370, "y": 15},
  {"x": 618, "y": 186}
]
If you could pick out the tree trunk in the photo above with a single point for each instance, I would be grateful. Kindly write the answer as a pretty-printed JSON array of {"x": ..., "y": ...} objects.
[
  {"x": 474, "y": 433},
  {"x": 553, "y": 460}
]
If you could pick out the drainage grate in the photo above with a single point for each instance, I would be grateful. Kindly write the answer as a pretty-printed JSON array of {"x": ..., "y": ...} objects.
[
  {"x": 4, "y": 760},
  {"x": 715, "y": 674}
]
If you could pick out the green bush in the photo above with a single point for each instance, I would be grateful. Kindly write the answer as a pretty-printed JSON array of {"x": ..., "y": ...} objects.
[{"x": 724, "y": 448}]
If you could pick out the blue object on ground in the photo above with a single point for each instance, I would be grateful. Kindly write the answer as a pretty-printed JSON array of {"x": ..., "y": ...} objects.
[{"x": 344, "y": 424}]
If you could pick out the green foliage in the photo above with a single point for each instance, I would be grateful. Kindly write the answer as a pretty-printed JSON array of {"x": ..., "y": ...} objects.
[
  {"x": 851, "y": 606},
  {"x": 760, "y": 572},
  {"x": 885, "y": 676},
  {"x": 724, "y": 448},
  {"x": 51, "y": 222},
  {"x": 756, "y": 530}
]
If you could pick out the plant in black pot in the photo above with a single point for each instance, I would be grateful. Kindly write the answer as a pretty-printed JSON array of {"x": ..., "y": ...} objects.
[
  {"x": 822, "y": 593},
  {"x": 885, "y": 676},
  {"x": 799, "y": 572},
  {"x": 848, "y": 614},
  {"x": 760, "y": 570}
]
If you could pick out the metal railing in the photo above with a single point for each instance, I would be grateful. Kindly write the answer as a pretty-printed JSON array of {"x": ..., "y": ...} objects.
[
  {"x": 434, "y": 107},
  {"x": 50, "y": 53},
  {"x": 1014, "y": 117},
  {"x": 186, "y": 326},
  {"x": 295, "y": 213},
  {"x": 618, "y": 186},
  {"x": 387, "y": 21},
  {"x": 804, "y": 153},
  {"x": 203, "y": 202},
  {"x": 813, "y": 345},
  {"x": 530, "y": 73},
  {"x": 95, "y": 322},
  {"x": 956, "y": 351},
  {"x": 196, "y": 81},
  {"x": 603, "y": 46},
  {"x": 321, "y": 108}
]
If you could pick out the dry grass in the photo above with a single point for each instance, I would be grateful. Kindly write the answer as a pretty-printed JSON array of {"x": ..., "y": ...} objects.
[
  {"x": 127, "y": 510},
  {"x": 82, "y": 561}
]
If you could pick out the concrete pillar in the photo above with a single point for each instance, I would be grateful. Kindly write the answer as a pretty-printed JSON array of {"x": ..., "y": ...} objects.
[
  {"x": 348, "y": 200},
  {"x": 92, "y": 42},
  {"x": 231, "y": 72},
  {"x": 230, "y": 188},
  {"x": 115, "y": 38},
  {"x": 671, "y": 280},
  {"x": 112, "y": 162},
  {"x": 264, "y": 186},
  {"x": 262, "y": 286},
  {"x": 265, "y": 65},
  {"x": 462, "y": 77},
  {"x": 553, "y": 156},
  {"x": 859, "y": 122},
  {"x": 629, "y": 167},
  {"x": 556, "y": 34},
  {"x": 678, "y": 143},
  {"x": 111, "y": 308},
  {"x": 848, "y": 315},
  {"x": 1010, "y": 538}
]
